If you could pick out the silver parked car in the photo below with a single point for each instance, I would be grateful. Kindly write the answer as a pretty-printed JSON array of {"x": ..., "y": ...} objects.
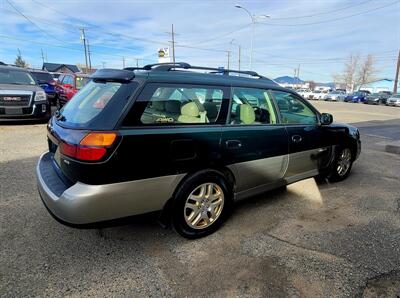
[
  {"x": 335, "y": 96},
  {"x": 394, "y": 100}
]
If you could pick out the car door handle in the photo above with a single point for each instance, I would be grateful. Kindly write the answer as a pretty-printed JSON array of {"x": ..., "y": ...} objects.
[
  {"x": 296, "y": 139},
  {"x": 233, "y": 144}
]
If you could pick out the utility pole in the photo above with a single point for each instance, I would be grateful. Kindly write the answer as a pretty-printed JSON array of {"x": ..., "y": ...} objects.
[
  {"x": 123, "y": 62},
  {"x": 84, "y": 45},
  {"x": 294, "y": 77},
  {"x": 298, "y": 75},
  {"x": 104, "y": 64},
  {"x": 88, "y": 49},
  {"x": 239, "y": 58},
  {"x": 173, "y": 43},
  {"x": 137, "y": 62},
  {"x": 396, "y": 79},
  {"x": 42, "y": 55},
  {"x": 229, "y": 58}
]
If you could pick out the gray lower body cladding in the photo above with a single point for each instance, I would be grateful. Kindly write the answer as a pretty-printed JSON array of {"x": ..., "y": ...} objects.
[{"x": 81, "y": 204}]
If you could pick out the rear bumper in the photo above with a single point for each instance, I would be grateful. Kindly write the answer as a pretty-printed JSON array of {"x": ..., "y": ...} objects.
[{"x": 83, "y": 204}]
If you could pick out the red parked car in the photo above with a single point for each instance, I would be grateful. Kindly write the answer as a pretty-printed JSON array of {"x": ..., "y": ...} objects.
[{"x": 68, "y": 85}]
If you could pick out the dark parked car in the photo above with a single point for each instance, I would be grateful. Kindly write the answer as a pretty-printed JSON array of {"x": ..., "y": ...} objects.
[
  {"x": 377, "y": 98},
  {"x": 21, "y": 97},
  {"x": 47, "y": 82},
  {"x": 68, "y": 85},
  {"x": 359, "y": 96},
  {"x": 185, "y": 143}
]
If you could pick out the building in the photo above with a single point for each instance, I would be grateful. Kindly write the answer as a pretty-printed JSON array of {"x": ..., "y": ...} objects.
[
  {"x": 57, "y": 67},
  {"x": 379, "y": 85}
]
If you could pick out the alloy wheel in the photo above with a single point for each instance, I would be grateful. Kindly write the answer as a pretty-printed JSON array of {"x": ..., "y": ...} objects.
[
  {"x": 344, "y": 162},
  {"x": 204, "y": 205}
]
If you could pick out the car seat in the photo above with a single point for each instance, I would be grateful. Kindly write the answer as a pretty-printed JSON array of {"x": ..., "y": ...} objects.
[
  {"x": 190, "y": 113},
  {"x": 212, "y": 110},
  {"x": 245, "y": 114}
]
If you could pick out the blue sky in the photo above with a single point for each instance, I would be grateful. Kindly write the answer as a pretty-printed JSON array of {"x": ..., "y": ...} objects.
[{"x": 318, "y": 35}]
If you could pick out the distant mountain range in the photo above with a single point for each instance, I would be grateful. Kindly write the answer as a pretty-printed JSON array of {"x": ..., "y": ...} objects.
[
  {"x": 288, "y": 80},
  {"x": 292, "y": 80}
]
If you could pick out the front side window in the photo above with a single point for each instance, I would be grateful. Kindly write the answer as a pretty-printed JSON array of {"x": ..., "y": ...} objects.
[
  {"x": 292, "y": 110},
  {"x": 179, "y": 104},
  {"x": 251, "y": 107}
]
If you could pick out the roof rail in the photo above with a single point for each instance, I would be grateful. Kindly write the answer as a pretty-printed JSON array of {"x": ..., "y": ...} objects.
[{"x": 184, "y": 65}]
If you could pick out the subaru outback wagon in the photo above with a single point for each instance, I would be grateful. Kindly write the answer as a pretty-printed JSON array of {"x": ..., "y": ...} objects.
[{"x": 175, "y": 139}]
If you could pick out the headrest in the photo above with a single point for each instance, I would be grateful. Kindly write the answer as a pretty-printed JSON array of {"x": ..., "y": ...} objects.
[
  {"x": 212, "y": 109},
  {"x": 190, "y": 109},
  {"x": 246, "y": 114},
  {"x": 158, "y": 105},
  {"x": 173, "y": 106}
]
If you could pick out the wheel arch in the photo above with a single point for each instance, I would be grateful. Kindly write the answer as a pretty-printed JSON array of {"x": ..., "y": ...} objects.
[{"x": 224, "y": 172}]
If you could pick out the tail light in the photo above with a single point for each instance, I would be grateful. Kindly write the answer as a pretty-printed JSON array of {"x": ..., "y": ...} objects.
[{"x": 92, "y": 147}]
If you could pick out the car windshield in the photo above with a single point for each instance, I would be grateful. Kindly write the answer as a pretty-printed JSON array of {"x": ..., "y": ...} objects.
[
  {"x": 42, "y": 76},
  {"x": 358, "y": 93},
  {"x": 81, "y": 81},
  {"x": 17, "y": 77},
  {"x": 88, "y": 102}
]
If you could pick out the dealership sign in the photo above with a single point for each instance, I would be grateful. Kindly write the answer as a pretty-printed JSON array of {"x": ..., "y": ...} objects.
[{"x": 163, "y": 55}]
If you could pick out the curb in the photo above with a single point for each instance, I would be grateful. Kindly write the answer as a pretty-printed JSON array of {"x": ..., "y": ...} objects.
[{"x": 393, "y": 147}]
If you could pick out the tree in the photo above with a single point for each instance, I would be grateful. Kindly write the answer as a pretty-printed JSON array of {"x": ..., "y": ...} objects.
[
  {"x": 19, "y": 61},
  {"x": 312, "y": 85},
  {"x": 356, "y": 73},
  {"x": 366, "y": 72}
]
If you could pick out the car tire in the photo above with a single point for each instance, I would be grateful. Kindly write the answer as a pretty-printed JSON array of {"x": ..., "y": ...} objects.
[
  {"x": 342, "y": 165},
  {"x": 201, "y": 204}
]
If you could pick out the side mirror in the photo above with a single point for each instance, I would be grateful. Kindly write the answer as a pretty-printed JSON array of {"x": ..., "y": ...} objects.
[{"x": 326, "y": 119}]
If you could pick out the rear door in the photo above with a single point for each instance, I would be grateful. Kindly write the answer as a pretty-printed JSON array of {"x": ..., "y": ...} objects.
[
  {"x": 255, "y": 144},
  {"x": 173, "y": 129},
  {"x": 309, "y": 145}
]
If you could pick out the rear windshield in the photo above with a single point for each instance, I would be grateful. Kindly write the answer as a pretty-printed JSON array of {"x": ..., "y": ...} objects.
[
  {"x": 42, "y": 76},
  {"x": 88, "y": 103}
]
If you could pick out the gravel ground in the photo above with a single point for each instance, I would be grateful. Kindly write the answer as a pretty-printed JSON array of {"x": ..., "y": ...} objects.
[{"x": 310, "y": 240}]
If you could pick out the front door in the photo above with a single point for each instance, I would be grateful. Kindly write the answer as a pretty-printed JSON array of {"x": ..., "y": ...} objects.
[
  {"x": 309, "y": 149},
  {"x": 255, "y": 145}
]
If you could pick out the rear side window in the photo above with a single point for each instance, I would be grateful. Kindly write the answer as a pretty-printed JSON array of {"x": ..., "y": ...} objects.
[
  {"x": 293, "y": 110},
  {"x": 88, "y": 102},
  {"x": 170, "y": 104},
  {"x": 252, "y": 106}
]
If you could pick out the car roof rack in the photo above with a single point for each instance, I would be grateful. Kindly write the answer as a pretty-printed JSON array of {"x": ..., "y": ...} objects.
[{"x": 183, "y": 65}]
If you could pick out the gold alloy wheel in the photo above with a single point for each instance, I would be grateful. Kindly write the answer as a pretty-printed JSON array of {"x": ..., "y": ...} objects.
[
  {"x": 204, "y": 205},
  {"x": 344, "y": 162}
]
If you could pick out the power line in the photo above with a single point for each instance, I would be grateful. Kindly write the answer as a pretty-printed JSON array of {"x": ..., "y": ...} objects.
[
  {"x": 33, "y": 23},
  {"x": 332, "y": 20},
  {"x": 62, "y": 47},
  {"x": 323, "y": 13}
]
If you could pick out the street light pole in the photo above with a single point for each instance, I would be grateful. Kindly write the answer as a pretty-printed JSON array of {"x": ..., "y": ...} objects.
[{"x": 253, "y": 28}]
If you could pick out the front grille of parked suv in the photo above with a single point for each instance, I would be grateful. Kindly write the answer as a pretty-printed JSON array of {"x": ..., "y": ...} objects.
[{"x": 14, "y": 100}]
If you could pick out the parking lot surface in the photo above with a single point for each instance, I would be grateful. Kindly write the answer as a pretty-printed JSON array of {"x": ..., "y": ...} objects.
[{"x": 310, "y": 239}]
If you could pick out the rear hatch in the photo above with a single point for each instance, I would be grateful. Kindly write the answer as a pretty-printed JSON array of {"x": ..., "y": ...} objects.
[{"x": 82, "y": 136}]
